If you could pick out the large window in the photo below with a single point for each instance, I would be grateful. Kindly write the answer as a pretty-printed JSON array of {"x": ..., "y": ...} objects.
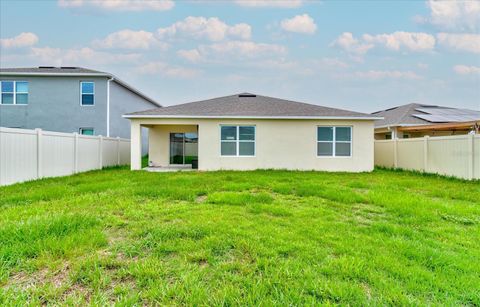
[
  {"x": 87, "y": 90},
  {"x": 14, "y": 92},
  {"x": 238, "y": 140},
  {"x": 334, "y": 141}
]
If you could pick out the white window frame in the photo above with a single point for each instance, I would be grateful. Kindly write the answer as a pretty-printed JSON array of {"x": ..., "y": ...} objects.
[
  {"x": 334, "y": 141},
  {"x": 14, "y": 93},
  {"x": 81, "y": 94},
  {"x": 238, "y": 141},
  {"x": 80, "y": 130}
]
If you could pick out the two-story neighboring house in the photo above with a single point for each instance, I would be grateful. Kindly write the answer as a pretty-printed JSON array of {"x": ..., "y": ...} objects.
[{"x": 68, "y": 99}]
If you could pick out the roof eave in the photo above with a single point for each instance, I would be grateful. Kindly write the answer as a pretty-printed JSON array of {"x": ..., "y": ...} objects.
[
  {"x": 133, "y": 116},
  {"x": 134, "y": 90},
  {"x": 55, "y": 74}
]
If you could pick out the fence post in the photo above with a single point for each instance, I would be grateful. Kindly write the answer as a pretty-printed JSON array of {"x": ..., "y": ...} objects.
[
  {"x": 118, "y": 150},
  {"x": 395, "y": 153},
  {"x": 425, "y": 153},
  {"x": 39, "y": 153},
  {"x": 471, "y": 156},
  {"x": 100, "y": 152},
  {"x": 75, "y": 152}
]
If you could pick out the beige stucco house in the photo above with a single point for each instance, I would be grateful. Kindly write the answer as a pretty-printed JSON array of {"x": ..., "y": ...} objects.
[{"x": 247, "y": 131}]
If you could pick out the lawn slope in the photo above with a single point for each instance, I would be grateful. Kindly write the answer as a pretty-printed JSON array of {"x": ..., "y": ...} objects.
[{"x": 240, "y": 238}]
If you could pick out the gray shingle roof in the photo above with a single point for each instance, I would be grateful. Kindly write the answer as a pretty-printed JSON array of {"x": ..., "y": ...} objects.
[
  {"x": 251, "y": 106},
  {"x": 51, "y": 69},
  {"x": 414, "y": 114}
]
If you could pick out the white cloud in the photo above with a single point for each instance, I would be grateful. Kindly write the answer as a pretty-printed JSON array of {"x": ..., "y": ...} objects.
[
  {"x": 24, "y": 39},
  {"x": 167, "y": 70},
  {"x": 397, "y": 40},
  {"x": 333, "y": 62},
  {"x": 454, "y": 14},
  {"x": 245, "y": 49},
  {"x": 347, "y": 42},
  {"x": 383, "y": 74},
  {"x": 460, "y": 42},
  {"x": 212, "y": 29},
  {"x": 466, "y": 70},
  {"x": 192, "y": 55},
  {"x": 119, "y": 5},
  {"x": 82, "y": 57},
  {"x": 270, "y": 3},
  {"x": 129, "y": 39},
  {"x": 299, "y": 24}
]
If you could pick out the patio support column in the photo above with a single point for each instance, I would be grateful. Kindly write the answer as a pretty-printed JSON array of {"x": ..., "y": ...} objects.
[{"x": 135, "y": 146}]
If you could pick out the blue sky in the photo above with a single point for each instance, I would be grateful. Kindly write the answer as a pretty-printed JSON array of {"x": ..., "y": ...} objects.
[{"x": 359, "y": 55}]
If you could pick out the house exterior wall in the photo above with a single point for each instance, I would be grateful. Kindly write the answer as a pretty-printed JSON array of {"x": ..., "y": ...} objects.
[
  {"x": 280, "y": 144},
  {"x": 54, "y": 105},
  {"x": 123, "y": 101}
]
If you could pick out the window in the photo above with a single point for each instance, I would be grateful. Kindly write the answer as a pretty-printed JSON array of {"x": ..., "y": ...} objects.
[
  {"x": 87, "y": 90},
  {"x": 237, "y": 140},
  {"x": 388, "y": 136},
  {"x": 87, "y": 131},
  {"x": 14, "y": 92},
  {"x": 334, "y": 141}
]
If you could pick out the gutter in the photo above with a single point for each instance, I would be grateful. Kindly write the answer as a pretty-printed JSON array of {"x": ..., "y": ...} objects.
[{"x": 248, "y": 117}]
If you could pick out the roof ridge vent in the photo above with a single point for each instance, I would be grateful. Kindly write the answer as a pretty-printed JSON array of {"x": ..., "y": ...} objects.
[
  {"x": 246, "y": 95},
  {"x": 46, "y": 67},
  {"x": 68, "y": 67}
]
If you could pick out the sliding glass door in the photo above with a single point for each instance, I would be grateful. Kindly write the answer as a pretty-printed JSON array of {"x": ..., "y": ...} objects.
[{"x": 183, "y": 148}]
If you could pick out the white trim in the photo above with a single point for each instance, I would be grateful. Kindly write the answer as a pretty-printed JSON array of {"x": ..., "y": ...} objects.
[
  {"x": 334, "y": 141},
  {"x": 251, "y": 117},
  {"x": 81, "y": 94},
  {"x": 237, "y": 141},
  {"x": 108, "y": 106}
]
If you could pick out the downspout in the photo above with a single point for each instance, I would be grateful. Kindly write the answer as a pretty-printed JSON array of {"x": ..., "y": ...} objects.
[{"x": 108, "y": 105}]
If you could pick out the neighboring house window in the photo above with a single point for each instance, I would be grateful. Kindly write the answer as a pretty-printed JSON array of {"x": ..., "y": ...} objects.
[
  {"x": 334, "y": 141},
  {"x": 87, "y": 90},
  {"x": 87, "y": 131},
  {"x": 237, "y": 140},
  {"x": 14, "y": 92}
]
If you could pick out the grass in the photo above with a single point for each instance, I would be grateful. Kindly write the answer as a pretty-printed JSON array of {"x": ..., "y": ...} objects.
[{"x": 240, "y": 238}]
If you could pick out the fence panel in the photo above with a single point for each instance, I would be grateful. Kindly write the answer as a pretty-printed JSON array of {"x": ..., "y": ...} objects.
[
  {"x": 384, "y": 153},
  {"x": 109, "y": 152},
  {"x": 57, "y": 154},
  {"x": 18, "y": 155},
  {"x": 32, "y": 154},
  {"x": 410, "y": 154},
  {"x": 88, "y": 153},
  {"x": 457, "y": 155},
  {"x": 449, "y": 156},
  {"x": 476, "y": 157}
]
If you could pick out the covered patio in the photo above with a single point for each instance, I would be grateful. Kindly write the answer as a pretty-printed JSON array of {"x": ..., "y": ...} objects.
[{"x": 172, "y": 146}]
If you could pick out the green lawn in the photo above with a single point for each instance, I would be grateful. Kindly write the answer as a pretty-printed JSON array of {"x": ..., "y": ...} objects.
[{"x": 240, "y": 238}]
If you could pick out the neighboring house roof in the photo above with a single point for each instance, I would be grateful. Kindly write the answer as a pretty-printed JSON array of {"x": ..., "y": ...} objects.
[
  {"x": 415, "y": 114},
  {"x": 248, "y": 105},
  {"x": 72, "y": 72}
]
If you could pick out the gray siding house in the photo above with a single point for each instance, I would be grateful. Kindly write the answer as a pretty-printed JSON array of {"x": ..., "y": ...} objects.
[{"x": 69, "y": 99}]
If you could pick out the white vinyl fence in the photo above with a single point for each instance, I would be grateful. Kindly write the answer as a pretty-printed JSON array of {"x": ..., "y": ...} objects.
[
  {"x": 457, "y": 156},
  {"x": 32, "y": 154}
]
